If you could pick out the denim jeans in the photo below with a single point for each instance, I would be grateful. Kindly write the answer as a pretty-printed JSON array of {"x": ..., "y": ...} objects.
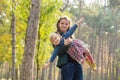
[{"x": 72, "y": 71}]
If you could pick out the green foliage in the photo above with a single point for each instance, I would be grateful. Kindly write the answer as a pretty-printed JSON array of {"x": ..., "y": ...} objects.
[
  {"x": 49, "y": 14},
  {"x": 5, "y": 37},
  {"x": 115, "y": 3},
  {"x": 21, "y": 11},
  {"x": 95, "y": 17},
  {"x": 4, "y": 14},
  {"x": 5, "y": 47},
  {"x": 118, "y": 57}
]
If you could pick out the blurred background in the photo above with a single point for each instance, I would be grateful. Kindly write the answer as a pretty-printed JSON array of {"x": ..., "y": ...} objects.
[{"x": 100, "y": 32}]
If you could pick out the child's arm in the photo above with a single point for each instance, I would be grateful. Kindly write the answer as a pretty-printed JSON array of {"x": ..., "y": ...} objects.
[
  {"x": 47, "y": 65},
  {"x": 73, "y": 28},
  {"x": 54, "y": 54}
]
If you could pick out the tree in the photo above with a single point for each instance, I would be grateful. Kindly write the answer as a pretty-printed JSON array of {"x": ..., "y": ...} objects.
[
  {"x": 13, "y": 31},
  {"x": 30, "y": 42}
]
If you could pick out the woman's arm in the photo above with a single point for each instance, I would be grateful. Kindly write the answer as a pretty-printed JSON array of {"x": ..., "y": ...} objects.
[
  {"x": 73, "y": 28},
  {"x": 80, "y": 21}
]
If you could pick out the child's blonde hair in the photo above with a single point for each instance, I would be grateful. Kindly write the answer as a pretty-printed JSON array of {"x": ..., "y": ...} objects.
[{"x": 54, "y": 34}]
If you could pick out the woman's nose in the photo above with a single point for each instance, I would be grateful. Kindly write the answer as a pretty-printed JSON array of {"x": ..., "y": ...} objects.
[{"x": 64, "y": 25}]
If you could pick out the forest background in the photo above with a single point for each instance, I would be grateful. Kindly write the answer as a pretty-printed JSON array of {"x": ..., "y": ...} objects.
[{"x": 100, "y": 31}]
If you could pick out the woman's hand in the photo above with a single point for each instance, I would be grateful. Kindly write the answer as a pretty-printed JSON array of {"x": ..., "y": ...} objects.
[
  {"x": 67, "y": 41},
  {"x": 80, "y": 20}
]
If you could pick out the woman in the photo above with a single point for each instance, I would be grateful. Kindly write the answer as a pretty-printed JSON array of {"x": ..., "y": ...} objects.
[{"x": 70, "y": 69}]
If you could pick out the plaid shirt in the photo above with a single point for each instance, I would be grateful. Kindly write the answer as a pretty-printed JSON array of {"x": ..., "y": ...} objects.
[{"x": 76, "y": 50}]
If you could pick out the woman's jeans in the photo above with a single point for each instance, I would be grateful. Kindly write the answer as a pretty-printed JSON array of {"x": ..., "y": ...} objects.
[{"x": 72, "y": 71}]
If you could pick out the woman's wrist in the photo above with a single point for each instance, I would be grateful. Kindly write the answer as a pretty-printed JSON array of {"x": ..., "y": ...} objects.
[{"x": 80, "y": 21}]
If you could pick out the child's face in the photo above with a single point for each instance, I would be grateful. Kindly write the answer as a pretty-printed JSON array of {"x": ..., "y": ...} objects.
[
  {"x": 64, "y": 25},
  {"x": 55, "y": 39}
]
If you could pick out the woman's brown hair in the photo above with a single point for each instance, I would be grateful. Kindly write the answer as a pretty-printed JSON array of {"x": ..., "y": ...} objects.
[{"x": 58, "y": 29}]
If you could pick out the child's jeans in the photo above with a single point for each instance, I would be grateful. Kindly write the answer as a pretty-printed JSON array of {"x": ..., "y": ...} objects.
[{"x": 72, "y": 71}]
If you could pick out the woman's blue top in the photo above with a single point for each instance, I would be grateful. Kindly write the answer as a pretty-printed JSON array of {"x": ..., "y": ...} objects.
[{"x": 64, "y": 36}]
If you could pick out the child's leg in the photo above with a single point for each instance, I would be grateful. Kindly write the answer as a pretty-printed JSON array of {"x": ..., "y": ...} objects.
[
  {"x": 87, "y": 53},
  {"x": 89, "y": 59}
]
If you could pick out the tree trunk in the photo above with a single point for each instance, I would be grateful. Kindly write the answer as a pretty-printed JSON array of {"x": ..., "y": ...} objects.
[
  {"x": 30, "y": 42},
  {"x": 116, "y": 47},
  {"x": 117, "y": 68},
  {"x": 37, "y": 71},
  {"x": 106, "y": 60},
  {"x": 65, "y": 6},
  {"x": 59, "y": 75},
  {"x": 43, "y": 74},
  {"x": 50, "y": 76},
  {"x": 98, "y": 59},
  {"x": 13, "y": 32}
]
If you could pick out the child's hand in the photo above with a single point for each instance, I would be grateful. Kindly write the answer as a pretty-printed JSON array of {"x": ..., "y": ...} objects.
[
  {"x": 80, "y": 20},
  {"x": 47, "y": 65},
  {"x": 67, "y": 41}
]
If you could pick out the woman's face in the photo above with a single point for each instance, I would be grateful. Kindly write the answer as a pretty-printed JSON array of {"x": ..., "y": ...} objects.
[{"x": 64, "y": 25}]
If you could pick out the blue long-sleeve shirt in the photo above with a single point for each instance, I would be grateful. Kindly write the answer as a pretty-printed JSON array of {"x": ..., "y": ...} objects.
[{"x": 64, "y": 36}]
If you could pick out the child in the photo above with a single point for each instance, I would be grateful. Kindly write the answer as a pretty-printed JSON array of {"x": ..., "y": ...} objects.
[{"x": 77, "y": 49}]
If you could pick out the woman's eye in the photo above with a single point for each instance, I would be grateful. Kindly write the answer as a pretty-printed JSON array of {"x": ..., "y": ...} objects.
[
  {"x": 66, "y": 23},
  {"x": 55, "y": 38}
]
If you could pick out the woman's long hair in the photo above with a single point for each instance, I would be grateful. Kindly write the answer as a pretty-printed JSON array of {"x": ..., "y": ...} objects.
[{"x": 58, "y": 29}]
